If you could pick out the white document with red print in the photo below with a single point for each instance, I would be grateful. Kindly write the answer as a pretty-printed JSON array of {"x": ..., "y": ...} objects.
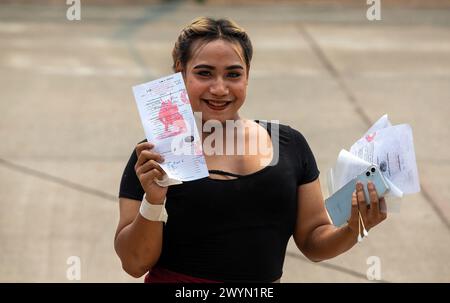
[
  {"x": 388, "y": 146},
  {"x": 169, "y": 124}
]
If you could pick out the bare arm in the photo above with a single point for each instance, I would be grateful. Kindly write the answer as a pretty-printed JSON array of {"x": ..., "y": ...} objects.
[
  {"x": 316, "y": 236},
  {"x": 138, "y": 241}
]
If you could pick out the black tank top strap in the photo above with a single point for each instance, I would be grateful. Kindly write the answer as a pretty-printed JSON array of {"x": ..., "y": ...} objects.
[{"x": 221, "y": 172}]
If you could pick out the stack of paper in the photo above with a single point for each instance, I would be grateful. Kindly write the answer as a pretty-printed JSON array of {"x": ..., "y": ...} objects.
[{"x": 390, "y": 147}]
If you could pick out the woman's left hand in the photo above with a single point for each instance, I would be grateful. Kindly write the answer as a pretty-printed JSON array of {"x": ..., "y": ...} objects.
[{"x": 372, "y": 214}]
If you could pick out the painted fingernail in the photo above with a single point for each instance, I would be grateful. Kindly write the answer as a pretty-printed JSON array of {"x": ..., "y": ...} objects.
[
  {"x": 370, "y": 185},
  {"x": 359, "y": 186}
]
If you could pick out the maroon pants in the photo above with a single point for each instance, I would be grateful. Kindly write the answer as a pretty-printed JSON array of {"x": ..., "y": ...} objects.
[{"x": 162, "y": 275}]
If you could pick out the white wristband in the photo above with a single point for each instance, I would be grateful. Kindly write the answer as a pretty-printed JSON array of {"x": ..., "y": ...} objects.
[{"x": 153, "y": 212}]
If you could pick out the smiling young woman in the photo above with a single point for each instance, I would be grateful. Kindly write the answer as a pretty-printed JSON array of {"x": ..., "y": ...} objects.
[
  {"x": 234, "y": 225},
  {"x": 216, "y": 80}
]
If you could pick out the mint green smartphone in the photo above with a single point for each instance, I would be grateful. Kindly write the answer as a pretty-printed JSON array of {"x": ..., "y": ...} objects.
[{"x": 339, "y": 205}]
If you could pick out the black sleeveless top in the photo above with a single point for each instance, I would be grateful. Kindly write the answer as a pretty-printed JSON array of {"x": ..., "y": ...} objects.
[{"x": 234, "y": 230}]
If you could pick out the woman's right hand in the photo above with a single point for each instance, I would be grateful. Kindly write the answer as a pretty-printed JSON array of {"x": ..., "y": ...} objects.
[{"x": 147, "y": 169}]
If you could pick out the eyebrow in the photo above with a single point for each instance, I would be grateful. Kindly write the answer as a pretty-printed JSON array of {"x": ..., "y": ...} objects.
[{"x": 212, "y": 67}]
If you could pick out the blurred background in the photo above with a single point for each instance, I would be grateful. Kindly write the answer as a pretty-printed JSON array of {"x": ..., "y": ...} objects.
[{"x": 68, "y": 120}]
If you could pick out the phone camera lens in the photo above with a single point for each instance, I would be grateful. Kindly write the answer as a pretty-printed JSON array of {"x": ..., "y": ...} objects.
[
  {"x": 372, "y": 169},
  {"x": 367, "y": 174}
]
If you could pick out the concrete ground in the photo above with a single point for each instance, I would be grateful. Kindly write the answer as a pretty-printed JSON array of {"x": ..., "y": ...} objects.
[{"x": 68, "y": 123}]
